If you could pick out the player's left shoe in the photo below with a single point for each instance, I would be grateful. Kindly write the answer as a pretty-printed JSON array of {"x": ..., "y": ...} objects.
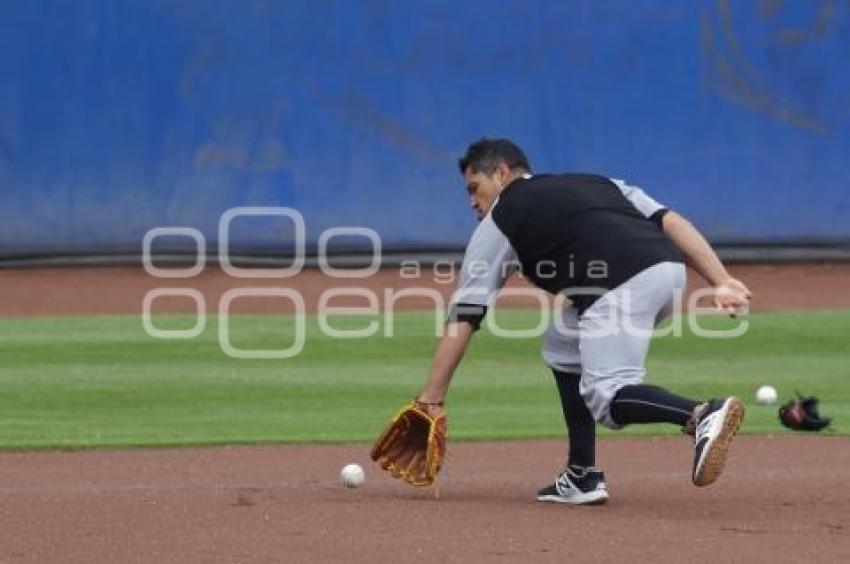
[
  {"x": 717, "y": 424},
  {"x": 576, "y": 488}
]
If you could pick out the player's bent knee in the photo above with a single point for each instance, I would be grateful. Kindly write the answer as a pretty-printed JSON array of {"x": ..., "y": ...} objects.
[{"x": 598, "y": 399}]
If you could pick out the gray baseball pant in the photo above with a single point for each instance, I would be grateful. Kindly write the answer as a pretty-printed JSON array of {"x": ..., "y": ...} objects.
[{"x": 608, "y": 343}]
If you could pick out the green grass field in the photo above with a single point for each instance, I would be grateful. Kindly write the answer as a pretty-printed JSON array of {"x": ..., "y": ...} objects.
[{"x": 97, "y": 381}]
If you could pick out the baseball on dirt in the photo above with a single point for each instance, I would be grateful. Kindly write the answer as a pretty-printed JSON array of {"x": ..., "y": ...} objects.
[
  {"x": 766, "y": 395},
  {"x": 352, "y": 475}
]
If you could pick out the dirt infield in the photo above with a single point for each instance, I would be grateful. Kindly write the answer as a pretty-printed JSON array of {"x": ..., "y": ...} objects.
[
  {"x": 105, "y": 290},
  {"x": 285, "y": 504}
]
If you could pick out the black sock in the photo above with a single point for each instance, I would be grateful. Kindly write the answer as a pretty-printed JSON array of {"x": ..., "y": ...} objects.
[
  {"x": 580, "y": 424},
  {"x": 644, "y": 403}
]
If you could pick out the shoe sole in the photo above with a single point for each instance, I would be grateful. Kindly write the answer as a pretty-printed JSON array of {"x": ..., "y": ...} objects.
[
  {"x": 716, "y": 450},
  {"x": 596, "y": 498}
]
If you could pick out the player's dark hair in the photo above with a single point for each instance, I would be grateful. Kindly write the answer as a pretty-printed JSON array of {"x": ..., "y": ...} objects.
[{"x": 485, "y": 155}]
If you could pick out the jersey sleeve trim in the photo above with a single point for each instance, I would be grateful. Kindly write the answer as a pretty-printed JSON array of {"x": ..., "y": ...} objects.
[
  {"x": 658, "y": 216},
  {"x": 470, "y": 313},
  {"x": 639, "y": 199}
]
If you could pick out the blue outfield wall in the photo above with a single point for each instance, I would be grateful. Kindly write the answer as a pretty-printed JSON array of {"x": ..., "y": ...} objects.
[{"x": 121, "y": 115}]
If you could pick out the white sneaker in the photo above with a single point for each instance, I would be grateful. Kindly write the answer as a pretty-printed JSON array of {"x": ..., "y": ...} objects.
[
  {"x": 585, "y": 488},
  {"x": 715, "y": 428}
]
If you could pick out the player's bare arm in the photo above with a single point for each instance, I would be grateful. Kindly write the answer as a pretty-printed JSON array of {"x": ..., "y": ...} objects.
[
  {"x": 448, "y": 355},
  {"x": 488, "y": 261},
  {"x": 730, "y": 294}
]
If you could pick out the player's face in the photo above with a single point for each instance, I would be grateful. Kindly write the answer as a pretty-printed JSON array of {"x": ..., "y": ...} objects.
[{"x": 484, "y": 189}]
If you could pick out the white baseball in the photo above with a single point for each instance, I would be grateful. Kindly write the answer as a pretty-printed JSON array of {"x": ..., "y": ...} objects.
[
  {"x": 352, "y": 475},
  {"x": 766, "y": 395}
]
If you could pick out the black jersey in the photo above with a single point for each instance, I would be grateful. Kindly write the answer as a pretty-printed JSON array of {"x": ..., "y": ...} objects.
[{"x": 570, "y": 233}]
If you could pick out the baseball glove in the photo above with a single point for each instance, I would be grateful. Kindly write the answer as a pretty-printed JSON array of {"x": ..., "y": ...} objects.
[
  {"x": 801, "y": 414},
  {"x": 413, "y": 445}
]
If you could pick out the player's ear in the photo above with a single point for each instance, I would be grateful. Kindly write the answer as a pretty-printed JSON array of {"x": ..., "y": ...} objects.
[{"x": 503, "y": 172}]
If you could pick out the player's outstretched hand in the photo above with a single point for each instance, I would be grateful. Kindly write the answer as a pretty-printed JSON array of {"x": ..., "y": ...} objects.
[{"x": 732, "y": 296}]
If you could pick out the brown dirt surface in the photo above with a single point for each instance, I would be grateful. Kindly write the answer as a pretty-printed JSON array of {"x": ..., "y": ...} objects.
[
  {"x": 106, "y": 290},
  {"x": 781, "y": 499}
]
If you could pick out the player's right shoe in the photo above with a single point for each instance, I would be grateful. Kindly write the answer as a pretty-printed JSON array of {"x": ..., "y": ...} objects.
[
  {"x": 717, "y": 424},
  {"x": 571, "y": 487}
]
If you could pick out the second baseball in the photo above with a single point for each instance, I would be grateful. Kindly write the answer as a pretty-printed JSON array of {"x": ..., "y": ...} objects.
[
  {"x": 766, "y": 395},
  {"x": 352, "y": 475}
]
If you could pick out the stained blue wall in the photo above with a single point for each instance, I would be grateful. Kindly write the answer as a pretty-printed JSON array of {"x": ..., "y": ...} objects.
[{"x": 120, "y": 115}]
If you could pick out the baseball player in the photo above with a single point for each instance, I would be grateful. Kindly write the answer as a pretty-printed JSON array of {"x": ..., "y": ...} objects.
[{"x": 619, "y": 256}]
